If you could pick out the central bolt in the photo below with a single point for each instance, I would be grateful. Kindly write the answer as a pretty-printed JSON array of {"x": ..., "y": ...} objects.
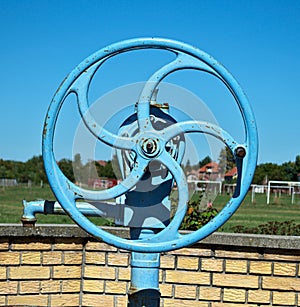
[{"x": 149, "y": 147}]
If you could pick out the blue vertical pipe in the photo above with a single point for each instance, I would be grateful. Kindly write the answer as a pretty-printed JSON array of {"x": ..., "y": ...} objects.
[{"x": 144, "y": 287}]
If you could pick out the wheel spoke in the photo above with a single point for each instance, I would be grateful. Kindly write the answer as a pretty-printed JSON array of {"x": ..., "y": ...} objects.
[
  {"x": 78, "y": 193},
  {"x": 80, "y": 88},
  {"x": 182, "y": 61},
  {"x": 200, "y": 127}
]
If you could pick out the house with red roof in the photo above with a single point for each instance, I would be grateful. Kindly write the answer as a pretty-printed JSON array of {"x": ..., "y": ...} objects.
[
  {"x": 231, "y": 174},
  {"x": 209, "y": 171},
  {"x": 102, "y": 162}
]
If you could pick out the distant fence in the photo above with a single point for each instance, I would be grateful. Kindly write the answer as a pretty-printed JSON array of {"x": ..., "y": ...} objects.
[{"x": 8, "y": 182}]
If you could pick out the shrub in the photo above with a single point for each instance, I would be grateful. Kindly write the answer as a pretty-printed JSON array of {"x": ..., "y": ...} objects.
[
  {"x": 195, "y": 218},
  {"x": 287, "y": 228}
]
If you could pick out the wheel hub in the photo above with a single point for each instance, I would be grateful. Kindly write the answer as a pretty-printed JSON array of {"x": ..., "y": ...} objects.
[{"x": 150, "y": 147}]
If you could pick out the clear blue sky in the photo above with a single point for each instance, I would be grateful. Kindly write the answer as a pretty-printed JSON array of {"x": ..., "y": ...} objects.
[{"x": 42, "y": 41}]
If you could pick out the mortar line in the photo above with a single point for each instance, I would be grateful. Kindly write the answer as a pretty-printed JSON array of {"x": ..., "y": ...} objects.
[{"x": 82, "y": 272}]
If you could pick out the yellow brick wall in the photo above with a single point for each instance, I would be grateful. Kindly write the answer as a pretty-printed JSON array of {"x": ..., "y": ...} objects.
[{"x": 51, "y": 271}]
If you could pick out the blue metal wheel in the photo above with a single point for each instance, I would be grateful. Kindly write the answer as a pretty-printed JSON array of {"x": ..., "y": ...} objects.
[{"x": 150, "y": 144}]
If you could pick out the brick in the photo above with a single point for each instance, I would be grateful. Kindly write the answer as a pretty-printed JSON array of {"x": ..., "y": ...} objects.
[
  {"x": 188, "y": 263},
  {"x": 123, "y": 251},
  {"x": 9, "y": 258},
  {"x": 69, "y": 300},
  {"x": 281, "y": 283},
  {"x": 187, "y": 277},
  {"x": 166, "y": 290},
  {"x": 284, "y": 298},
  {"x": 121, "y": 301},
  {"x": 212, "y": 265},
  {"x": 210, "y": 294},
  {"x": 2, "y": 273},
  {"x": 234, "y": 295},
  {"x": 235, "y": 280},
  {"x": 199, "y": 252},
  {"x": 124, "y": 274},
  {"x": 236, "y": 254},
  {"x": 281, "y": 257},
  {"x": 8, "y": 287},
  {"x": 99, "y": 272},
  {"x": 259, "y": 296},
  {"x": 167, "y": 262},
  {"x": 71, "y": 286},
  {"x": 215, "y": 304},
  {"x": 66, "y": 272},
  {"x": 68, "y": 244},
  {"x": 95, "y": 257},
  {"x": 4, "y": 244},
  {"x": 161, "y": 276},
  {"x": 72, "y": 257},
  {"x": 91, "y": 285},
  {"x": 169, "y": 302},
  {"x": 99, "y": 246},
  {"x": 284, "y": 269},
  {"x": 118, "y": 259},
  {"x": 236, "y": 266},
  {"x": 31, "y": 258},
  {"x": 51, "y": 258},
  {"x": 115, "y": 287},
  {"x": 31, "y": 300},
  {"x": 97, "y": 300},
  {"x": 50, "y": 286},
  {"x": 188, "y": 292},
  {"x": 29, "y": 287},
  {"x": 29, "y": 272},
  {"x": 261, "y": 267},
  {"x": 30, "y": 244},
  {"x": 2, "y": 300}
]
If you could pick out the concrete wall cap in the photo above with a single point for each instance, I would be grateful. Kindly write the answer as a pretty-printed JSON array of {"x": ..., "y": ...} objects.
[{"x": 217, "y": 238}]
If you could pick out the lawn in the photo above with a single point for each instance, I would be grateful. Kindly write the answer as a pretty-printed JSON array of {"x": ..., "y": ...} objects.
[
  {"x": 249, "y": 214},
  {"x": 11, "y": 208},
  {"x": 253, "y": 214}
]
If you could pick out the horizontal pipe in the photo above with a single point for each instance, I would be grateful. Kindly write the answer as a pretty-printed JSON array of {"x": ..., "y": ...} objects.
[{"x": 53, "y": 207}]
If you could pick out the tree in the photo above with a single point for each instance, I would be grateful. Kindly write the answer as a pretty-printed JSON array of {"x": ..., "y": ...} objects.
[
  {"x": 187, "y": 167},
  {"x": 289, "y": 172},
  {"x": 205, "y": 161},
  {"x": 226, "y": 160},
  {"x": 77, "y": 168},
  {"x": 66, "y": 167},
  {"x": 105, "y": 170},
  {"x": 34, "y": 170},
  {"x": 297, "y": 164},
  {"x": 271, "y": 170}
]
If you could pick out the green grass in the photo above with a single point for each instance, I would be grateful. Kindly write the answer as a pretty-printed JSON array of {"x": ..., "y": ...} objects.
[
  {"x": 250, "y": 215},
  {"x": 11, "y": 208},
  {"x": 253, "y": 214}
]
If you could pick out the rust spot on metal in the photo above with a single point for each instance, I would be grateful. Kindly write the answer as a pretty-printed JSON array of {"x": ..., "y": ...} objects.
[
  {"x": 45, "y": 129},
  {"x": 164, "y": 105},
  {"x": 78, "y": 195},
  {"x": 132, "y": 290},
  {"x": 28, "y": 223},
  {"x": 240, "y": 152}
]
